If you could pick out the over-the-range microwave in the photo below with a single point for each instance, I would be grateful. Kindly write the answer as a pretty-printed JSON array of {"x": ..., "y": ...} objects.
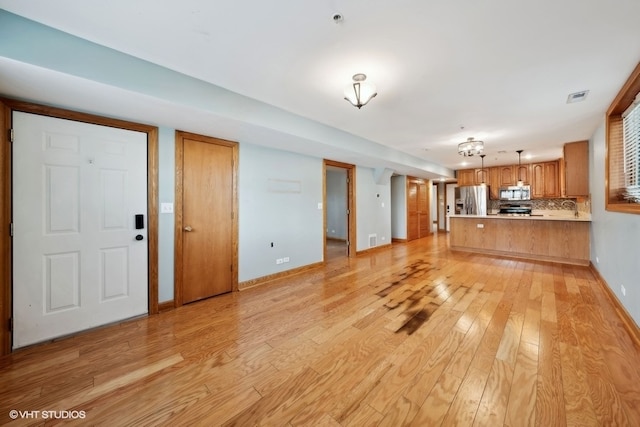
[{"x": 515, "y": 193}]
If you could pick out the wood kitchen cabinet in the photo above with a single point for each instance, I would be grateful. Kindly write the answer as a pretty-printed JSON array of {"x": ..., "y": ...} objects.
[
  {"x": 506, "y": 175},
  {"x": 576, "y": 169},
  {"x": 545, "y": 180},
  {"x": 522, "y": 173},
  {"x": 481, "y": 175},
  {"x": 466, "y": 177},
  {"x": 563, "y": 241}
]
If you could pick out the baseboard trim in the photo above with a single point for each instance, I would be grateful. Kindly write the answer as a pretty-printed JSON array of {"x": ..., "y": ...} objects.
[
  {"x": 629, "y": 324},
  {"x": 265, "y": 279},
  {"x": 166, "y": 306},
  {"x": 374, "y": 249}
]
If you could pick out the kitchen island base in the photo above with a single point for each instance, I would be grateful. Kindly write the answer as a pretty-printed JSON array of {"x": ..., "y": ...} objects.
[{"x": 564, "y": 242}]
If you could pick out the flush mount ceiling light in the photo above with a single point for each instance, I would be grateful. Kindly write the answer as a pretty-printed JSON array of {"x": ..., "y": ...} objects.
[
  {"x": 470, "y": 147},
  {"x": 359, "y": 92}
]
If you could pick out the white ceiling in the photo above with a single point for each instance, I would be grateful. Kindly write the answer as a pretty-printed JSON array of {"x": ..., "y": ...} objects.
[{"x": 496, "y": 70}]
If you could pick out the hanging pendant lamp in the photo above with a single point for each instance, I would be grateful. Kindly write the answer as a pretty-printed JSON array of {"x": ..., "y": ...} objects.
[{"x": 519, "y": 183}]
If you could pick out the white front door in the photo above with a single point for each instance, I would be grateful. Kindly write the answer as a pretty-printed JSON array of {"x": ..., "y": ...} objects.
[{"x": 78, "y": 259}]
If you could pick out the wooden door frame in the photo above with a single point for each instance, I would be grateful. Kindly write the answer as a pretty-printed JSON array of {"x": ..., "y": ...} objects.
[
  {"x": 7, "y": 107},
  {"x": 180, "y": 136},
  {"x": 351, "y": 206},
  {"x": 436, "y": 195}
]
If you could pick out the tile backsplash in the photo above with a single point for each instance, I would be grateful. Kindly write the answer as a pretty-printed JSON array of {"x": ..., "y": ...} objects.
[{"x": 583, "y": 205}]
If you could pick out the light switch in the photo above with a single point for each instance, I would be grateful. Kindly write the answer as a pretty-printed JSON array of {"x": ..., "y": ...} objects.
[
  {"x": 320, "y": 206},
  {"x": 166, "y": 207}
]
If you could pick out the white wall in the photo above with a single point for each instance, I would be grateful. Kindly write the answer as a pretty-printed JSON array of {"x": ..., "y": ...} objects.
[
  {"x": 166, "y": 221},
  {"x": 615, "y": 237},
  {"x": 337, "y": 204},
  {"x": 278, "y": 195},
  {"x": 373, "y": 209}
]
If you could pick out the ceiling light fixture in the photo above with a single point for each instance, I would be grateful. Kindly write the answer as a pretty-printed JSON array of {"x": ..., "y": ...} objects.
[
  {"x": 519, "y": 183},
  {"x": 359, "y": 92},
  {"x": 470, "y": 147}
]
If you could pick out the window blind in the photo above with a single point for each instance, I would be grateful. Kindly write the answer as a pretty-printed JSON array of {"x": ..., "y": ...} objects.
[{"x": 631, "y": 147}]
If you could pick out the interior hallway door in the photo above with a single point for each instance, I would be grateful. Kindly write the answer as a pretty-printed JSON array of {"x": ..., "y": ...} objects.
[
  {"x": 79, "y": 260},
  {"x": 206, "y": 248}
]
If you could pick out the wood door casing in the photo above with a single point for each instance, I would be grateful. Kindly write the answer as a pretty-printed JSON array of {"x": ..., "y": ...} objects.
[
  {"x": 6, "y": 108},
  {"x": 206, "y": 203},
  {"x": 351, "y": 205}
]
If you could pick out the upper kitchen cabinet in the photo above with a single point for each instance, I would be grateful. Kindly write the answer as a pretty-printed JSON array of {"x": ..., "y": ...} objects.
[
  {"x": 466, "y": 177},
  {"x": 482, "y": 176},
  {"x": 506, "y": 175},
  {"x": 522, "y": 173},
  {"x": 545, "y": 180},
  {"x": 576, "y": 169}
]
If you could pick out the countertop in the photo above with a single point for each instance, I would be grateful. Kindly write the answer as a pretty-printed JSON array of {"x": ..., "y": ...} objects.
[{"x": 535, "y": 217}]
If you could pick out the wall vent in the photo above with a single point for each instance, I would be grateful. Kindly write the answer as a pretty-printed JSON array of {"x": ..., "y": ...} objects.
[
  {"x": 577, "y": 96},
  {"x": 373, "y": 240}
]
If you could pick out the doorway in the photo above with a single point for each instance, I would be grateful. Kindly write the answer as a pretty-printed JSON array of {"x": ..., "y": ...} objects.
[
  {"x": 206, "y": 229},
  {"x": 339, "y": 210},
  {"x": 62, "y": 293}
]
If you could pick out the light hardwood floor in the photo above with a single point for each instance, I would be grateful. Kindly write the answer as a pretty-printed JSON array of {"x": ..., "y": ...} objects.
[{"x": 412, "y": 335}]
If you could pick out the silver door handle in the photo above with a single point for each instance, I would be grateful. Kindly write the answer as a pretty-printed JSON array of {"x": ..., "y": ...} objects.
[{"x": 188, "y": 228}]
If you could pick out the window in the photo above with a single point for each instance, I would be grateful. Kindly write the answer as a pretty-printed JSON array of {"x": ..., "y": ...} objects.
[
  {"x": 631, "y": 147},
  {"x": 623, "y": 148}
]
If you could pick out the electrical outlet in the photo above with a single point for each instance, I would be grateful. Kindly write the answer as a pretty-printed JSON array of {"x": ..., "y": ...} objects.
[
  {"x": 285, "y": 259},
  {"x": 279, "y": 261},
  {"x": 624, "y": 291},
  {"x": 480, "y": 225}
]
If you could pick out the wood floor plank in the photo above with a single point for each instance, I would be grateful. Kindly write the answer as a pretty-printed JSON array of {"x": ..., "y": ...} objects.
[
  {"x": 415, "y": 334},
  {"x": 521, "y": 407},
  {"x": 550, "y": 404},
  {"x": 493, "y": 405},
  {"x": 465, "y": 404}
]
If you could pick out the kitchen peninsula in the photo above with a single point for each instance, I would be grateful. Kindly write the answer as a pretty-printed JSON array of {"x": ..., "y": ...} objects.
[{"x": 560, "y": 237}]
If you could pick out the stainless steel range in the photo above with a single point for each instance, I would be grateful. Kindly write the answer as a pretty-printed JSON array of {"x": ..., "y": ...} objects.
[{"x": 515, "y": 209}]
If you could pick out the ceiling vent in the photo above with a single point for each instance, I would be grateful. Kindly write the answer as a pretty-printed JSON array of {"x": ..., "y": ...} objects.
[{"x": 577, "y": 96}]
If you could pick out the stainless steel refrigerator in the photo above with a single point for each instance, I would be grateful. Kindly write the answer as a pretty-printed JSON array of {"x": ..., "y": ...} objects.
[{"x": 472, "y": 200}]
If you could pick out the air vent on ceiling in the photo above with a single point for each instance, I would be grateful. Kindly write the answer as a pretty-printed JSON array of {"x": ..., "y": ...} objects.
[{"x": 577, "y": 96}]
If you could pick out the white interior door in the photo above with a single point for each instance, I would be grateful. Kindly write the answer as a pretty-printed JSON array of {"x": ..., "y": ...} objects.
[{"x": 78, "y": 259}]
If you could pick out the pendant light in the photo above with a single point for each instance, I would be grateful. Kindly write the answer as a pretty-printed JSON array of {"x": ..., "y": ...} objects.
[
  {"x": 482, "y": 169},
  {"x": 520, "y": 183}
]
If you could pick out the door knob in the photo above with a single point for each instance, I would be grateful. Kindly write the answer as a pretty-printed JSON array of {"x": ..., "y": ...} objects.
[{"x": 188, "y": 228}]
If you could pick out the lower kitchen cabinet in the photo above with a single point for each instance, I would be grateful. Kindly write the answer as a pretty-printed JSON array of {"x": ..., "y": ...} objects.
[{"x": 564, "y": 241}]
